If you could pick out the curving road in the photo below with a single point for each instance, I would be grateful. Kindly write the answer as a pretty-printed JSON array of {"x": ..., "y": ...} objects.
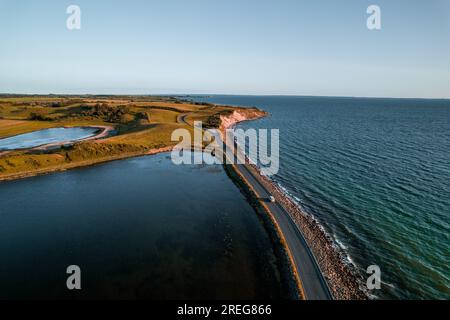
[{"x": 313, "y": 283}]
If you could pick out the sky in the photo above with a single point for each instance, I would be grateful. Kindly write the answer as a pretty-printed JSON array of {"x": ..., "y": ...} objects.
[{"x": 262, "y": 47}]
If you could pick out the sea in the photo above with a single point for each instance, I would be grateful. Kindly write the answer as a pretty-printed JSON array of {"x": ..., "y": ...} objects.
[{"x": 375, "y": 173}]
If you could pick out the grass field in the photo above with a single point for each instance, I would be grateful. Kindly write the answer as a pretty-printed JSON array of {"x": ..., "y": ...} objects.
[{"x": 142, "y": 124}]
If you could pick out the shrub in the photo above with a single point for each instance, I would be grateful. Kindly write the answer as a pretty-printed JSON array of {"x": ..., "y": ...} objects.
[
  {"x": 143, "y": 116},
  {"x": 40, "y": 115},
  {"x": 107, "y": 113},
  {"x": 126, "y": 118},
  {"x": 55, "y": 104}
]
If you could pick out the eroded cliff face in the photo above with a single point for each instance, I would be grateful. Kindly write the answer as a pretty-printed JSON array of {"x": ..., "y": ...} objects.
[
  {"x": 343, "y": 280},
  {"x": 242, "y": 114}
]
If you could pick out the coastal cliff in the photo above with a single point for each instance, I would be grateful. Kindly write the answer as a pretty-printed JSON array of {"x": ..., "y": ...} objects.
[
  {"x": 240, "y": 115},
  {"x": 342, "y": 280}
]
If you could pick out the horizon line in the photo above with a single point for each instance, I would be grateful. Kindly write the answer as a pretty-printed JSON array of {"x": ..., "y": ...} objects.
[{"x": 219, "y": 94}]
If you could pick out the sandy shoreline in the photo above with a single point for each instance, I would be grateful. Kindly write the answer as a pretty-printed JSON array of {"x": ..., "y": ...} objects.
[
  {"x": 81, "y": 164},
  {"x": 343, "y": 281},
  {"x": 104, "y": 132}
]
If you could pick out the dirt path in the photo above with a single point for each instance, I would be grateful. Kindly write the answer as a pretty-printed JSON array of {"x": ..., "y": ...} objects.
[{"x": 105, "y": 131}]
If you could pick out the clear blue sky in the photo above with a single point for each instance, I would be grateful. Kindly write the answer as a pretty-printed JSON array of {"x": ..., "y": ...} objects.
[{"x": 312, "y": 47}]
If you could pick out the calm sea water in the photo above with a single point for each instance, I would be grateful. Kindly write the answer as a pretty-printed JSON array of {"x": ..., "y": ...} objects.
[
  {"x": 138, "y": 228},
  {"x": 376, "y": 174},
  {"x": 41, "y": 137}
]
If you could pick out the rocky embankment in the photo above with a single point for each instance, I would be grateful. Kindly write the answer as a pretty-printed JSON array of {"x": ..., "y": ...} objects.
[{"x": 342, "y": 279}]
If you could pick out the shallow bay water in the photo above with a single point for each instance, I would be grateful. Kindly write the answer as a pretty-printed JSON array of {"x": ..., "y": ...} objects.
[{"x": 137, "y": 228}]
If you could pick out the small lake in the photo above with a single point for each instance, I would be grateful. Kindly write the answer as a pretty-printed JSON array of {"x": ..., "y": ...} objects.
[
  {"x": 46, "y": 136},
  {"x": 137, "y": 228}
]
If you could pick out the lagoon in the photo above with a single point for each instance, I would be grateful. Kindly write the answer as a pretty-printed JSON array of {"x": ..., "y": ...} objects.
[
  {"x": 46, "y": 136},
  {"x": 137, "y": 228}
]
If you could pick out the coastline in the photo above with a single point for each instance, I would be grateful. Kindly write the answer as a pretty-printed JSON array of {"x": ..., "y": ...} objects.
[
  {"x": 288, "y": 276},
  {"x": 104, "y": 132},
  {"x": 342, "y": 280},
  {"x": 141, "y": 127},
  {"x": 80, "y": 164}
]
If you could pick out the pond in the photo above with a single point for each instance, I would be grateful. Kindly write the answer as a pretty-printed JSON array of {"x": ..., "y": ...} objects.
[{"x": 46, "y": 136}]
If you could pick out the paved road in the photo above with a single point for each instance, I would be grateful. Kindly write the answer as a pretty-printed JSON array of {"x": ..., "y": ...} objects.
[
  {"x": 312, "y": 281},
  {"x": 181, "y": 118}
]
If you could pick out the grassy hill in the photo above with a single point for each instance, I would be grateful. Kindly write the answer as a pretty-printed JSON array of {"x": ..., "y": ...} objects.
[{"x": 142, "y": 124}]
